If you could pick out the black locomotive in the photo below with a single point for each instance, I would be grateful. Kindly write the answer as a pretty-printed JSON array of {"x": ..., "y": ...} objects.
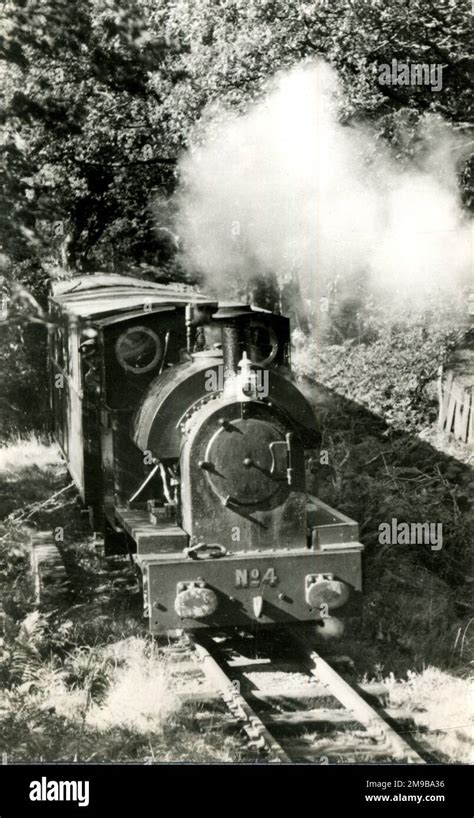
[{"x": 185, "y": 435}]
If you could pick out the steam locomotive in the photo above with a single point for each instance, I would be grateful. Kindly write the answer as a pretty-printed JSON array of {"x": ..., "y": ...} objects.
[{"x": 186, "y": 435}]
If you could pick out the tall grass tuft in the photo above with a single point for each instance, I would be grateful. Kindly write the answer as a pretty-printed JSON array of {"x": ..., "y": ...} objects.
[
  {"x": 140, "y": 696},
  {"x": 25, "y": 452}
]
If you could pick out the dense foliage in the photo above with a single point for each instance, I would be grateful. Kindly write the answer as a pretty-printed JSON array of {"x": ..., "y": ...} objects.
[
  {"x": 100, "y": 97},
  {"x": 391, "y": 365}
]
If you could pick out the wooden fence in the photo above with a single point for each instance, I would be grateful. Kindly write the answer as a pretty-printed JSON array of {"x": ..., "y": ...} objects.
[{"x": 456, "y": 408}]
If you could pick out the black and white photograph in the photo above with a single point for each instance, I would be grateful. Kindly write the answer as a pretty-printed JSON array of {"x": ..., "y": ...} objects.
[{"x": 236, "y": 394}]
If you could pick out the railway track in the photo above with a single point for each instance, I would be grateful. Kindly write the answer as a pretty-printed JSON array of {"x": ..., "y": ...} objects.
[
  {"x": 292, "y": 708},
  {"x": 305, "y": 711}
]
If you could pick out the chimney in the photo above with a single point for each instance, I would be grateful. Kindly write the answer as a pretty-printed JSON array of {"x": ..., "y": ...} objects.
[{"x": 229, "y": 316}]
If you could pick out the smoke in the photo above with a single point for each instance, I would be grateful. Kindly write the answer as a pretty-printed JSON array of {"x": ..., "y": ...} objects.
[{"x": 287, "y": 190}]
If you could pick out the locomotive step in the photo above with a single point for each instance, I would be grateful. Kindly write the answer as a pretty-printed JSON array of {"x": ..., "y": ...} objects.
[{"x": 47, "y": 567}]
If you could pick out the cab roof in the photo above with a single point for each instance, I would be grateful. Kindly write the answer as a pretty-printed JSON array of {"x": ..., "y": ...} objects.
[{"x": 101, "y": 294}]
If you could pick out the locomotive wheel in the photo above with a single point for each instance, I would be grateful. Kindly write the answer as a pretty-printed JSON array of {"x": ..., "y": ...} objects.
[{"x": 48, "y": 572}]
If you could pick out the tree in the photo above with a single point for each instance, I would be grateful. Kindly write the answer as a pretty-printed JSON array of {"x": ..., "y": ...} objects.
[
  {"x": 101, "y": 96},
  {"x": 234, "y": 48},
  {"x": 84, "y": 144}
]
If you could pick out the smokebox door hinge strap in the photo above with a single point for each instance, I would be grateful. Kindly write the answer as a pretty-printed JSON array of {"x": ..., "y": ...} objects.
[{"x": 281, "y": 468}]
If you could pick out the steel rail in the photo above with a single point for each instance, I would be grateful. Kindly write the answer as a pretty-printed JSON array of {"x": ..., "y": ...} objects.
[
  {"x": 363, "y": 712},
  {"x": 389, "y": 741},
  {"x": 259, "y": 735}
]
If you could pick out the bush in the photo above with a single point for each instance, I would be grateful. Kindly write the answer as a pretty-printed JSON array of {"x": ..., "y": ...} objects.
[{"x": 394, "y": 375}]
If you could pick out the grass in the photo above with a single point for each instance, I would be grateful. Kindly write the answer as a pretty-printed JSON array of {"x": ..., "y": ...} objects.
[
  {"x": 123, "y": 687},
  {"x": 415, "y": 599},
  {"x": 85, "y": 681},
  {"x": 140, "y": 696},
  {"x": 442, "y": 710},
  {"x": 27, "y": 452},
  {"x": 463, "y": 452},
  {"x": 31, "y": 469}
]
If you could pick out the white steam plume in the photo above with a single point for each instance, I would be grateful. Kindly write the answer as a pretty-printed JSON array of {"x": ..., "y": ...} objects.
[{"x": 286, "y": 189}]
